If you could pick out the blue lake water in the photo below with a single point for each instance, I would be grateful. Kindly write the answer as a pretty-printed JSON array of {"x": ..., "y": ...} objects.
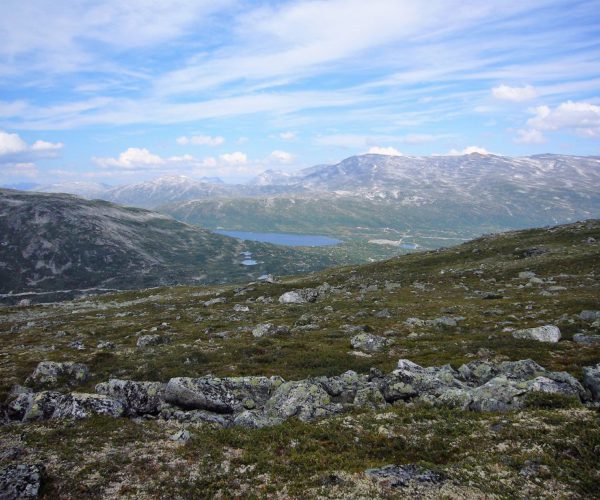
[{"x": 292, "y": 240}]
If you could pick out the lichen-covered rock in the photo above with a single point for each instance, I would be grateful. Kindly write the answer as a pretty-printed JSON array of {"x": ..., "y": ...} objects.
[
  {"x": 50, "y": 405},
  {"x": 173, "y": 413},
  {"x": 369, "y": 342},
  {"x": 343, "y": 388},
  {"x": 498, "y": 395},
  {"x": 589, "y": 315},
  {"x": 369, "y": 397},
  {"x": 303, "y": 399},
  {"x": 399, "y": 476},
  {"x": 410, "y": 380},
  {"x": 51, "y": 374},
  {"x": 591, "y": 380},
  {"x": 252, "y": 419},
  {"x": 303, "y": 295},
  {"x": 546, "y": 333},
  {"x": 269, "y": 330},
  {"x": 20, "y": 481},
  {"x": 152, "y": 340},
  {"x": 226, "y": 395},
  {"x": 139, "y": 398},
  {"x": 589, "y": 340}
]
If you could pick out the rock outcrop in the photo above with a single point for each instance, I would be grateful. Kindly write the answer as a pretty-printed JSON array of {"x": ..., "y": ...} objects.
[{"x": 263, "y": 401}]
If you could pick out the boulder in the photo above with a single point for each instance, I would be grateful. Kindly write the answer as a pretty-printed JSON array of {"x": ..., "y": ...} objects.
[
  {"x": 546, "y": 333},
  {"x": 292, "y": 298},
  {"x": 173, "y": 413},
  {"x": 269, "y": 330},
  {"x": 20, "y": 481},
  {"x": 226, "y": 395},
  {"x": 213, "y": 302},
  {"x": 152, "y": 340},
  {"x": 400, "y": 476},
  {"x": 50, "y": 405},
  {"x": 498, "y": 395},
  {"x": 589, "y": 340},
  {"x": 369, "y": 342},
  {"x": 589, "y": 315},
  {"x": 591, "y": 380},
  {"x": 303, "y": 399},
  {"x": 139, "y": 398},
  {"x": 51, "y": 374}
]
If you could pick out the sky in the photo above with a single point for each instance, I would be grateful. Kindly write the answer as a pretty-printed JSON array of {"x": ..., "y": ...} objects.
[{"x": 121, "y": 91}]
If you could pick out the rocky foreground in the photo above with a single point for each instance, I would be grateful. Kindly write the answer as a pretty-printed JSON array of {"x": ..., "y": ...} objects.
[{"x": 293, "y": 388}]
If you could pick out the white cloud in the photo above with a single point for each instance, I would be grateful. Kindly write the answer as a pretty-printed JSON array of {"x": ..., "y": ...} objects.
[
  {"x": 201, "y": 140},
  {"x": 281, "y": 156},
  {"x": 582, "y": 118},
  {"x": 530, "y": 136},
  {"x": 19, "y": 170},
  {"x": 468, "y": 151},
  {"x": 389, "y": 151},
  {"x": 287, "y": 136},
  {"x": 132, "y": 158},
  {"x": 236, "y": 158},
  {"x": 12, "y": 145},
  {"x": 514, "y": 94}
]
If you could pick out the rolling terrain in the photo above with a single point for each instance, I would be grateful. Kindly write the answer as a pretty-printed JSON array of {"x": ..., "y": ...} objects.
[
  {"x": 54, "y": 242},
  {"x": 176, "y": 391}
]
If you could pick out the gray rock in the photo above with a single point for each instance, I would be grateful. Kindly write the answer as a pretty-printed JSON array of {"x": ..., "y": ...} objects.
[
  {"x": 292, "y": 297},
  {"x": 498, "y": 395},
  {"x": 343, "y": 388},
  {"x": 369, "y": 397},
  {"x": 369, "y": 342},
  {"x": 546, "y": 333},
  {"x": 213, "y": 302},
  {"x": 19, "y": 481},
  {"x": 303, "y": 399},
  {"x": 152, "y": 340},
  {"x": 52, "y": 374},
  {"x": 251, "y": 419},
  {"x": 226, "y": 395},
  {"x": 383, "y": 314},
  {"x": 591, "y": 340},
  {"x": 589, "y": 315},
  {"x": 105, "y": 344},
  {"x": 241, "y": 308},
  {"x": 525, "y": 275},
  {"x": 400, "y": 476},
  {"x": 172, "y": 413},
  {"x": 591, "y": 380},
  {"x": 49, "y": 405},
  {"x": 181, "y": 436},
  {"x": 139, "y": 398},
  {"x": 269, "y": 330}
]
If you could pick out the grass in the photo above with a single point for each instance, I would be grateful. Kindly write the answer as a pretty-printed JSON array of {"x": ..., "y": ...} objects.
[{"x": 104, "y": 457}]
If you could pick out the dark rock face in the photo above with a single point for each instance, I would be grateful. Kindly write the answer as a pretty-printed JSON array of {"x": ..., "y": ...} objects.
[{"x": 21, "y": 481}]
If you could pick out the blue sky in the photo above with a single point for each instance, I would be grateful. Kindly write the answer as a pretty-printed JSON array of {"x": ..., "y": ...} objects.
[{"x": 119, "y": 91}]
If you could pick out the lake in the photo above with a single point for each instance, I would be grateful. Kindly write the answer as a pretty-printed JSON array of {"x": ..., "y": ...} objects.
[{"x": 291, "y": 240}]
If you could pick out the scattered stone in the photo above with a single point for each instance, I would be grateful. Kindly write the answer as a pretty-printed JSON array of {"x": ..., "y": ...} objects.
[
  {"x": 77, "y": 345},
  {"x": 590, "y": 340},
  {"x": 52, "y": 374},
  {"x": 383, "y": 314},
  {"x": 180, "y": 436},
  {"x": 546, "y": 333},
  {"x": 152, "y": 340},
  {"x": 105, "y": 344},
  {"x": 291, "y": 298},
  {"x": 213, "y": 302},
  {"x": 369, "y": 342},
  {"x": 525, "y": 275},
  {"x": 241, "y": 308},
  {"x": 266, "y": 278},
  {"x": 21, "y": 481},
  {"x": 589, "y": 315},
  {"x": 591, "y": 380},
  {"x": 269, "y": 330},
  {"x": 400, "y": 476}
]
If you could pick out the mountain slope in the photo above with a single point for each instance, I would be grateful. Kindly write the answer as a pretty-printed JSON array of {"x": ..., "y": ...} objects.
[
  {"x": 450, "y": 370},
  {"x": 54, "y": 242}
]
